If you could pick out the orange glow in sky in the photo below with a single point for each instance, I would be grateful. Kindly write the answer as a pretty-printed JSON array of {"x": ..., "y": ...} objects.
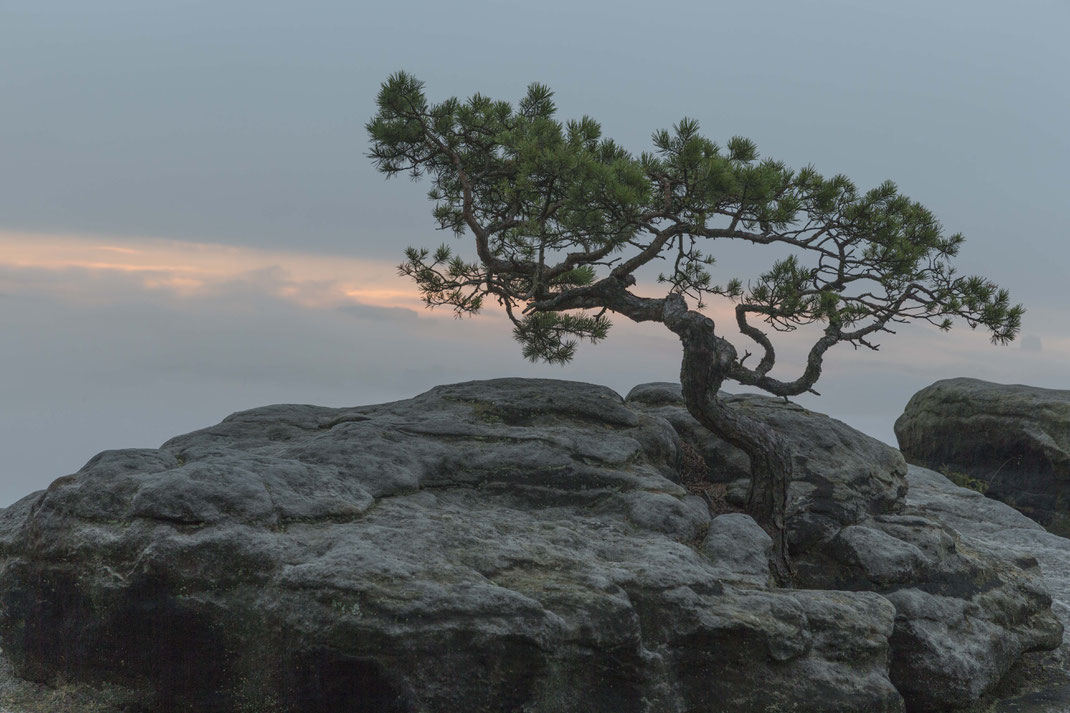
[{"x": 190, "y": 268}]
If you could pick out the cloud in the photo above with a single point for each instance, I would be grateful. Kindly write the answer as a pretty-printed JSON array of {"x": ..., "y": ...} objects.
[
  {"x": 190, "y": 270},
  {"x": 125, "y": 350},
  {"x": 378, "y": 314}
]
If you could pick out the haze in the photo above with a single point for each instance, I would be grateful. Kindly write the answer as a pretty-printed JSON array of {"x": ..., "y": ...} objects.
[{"x": 189, "y": 225}]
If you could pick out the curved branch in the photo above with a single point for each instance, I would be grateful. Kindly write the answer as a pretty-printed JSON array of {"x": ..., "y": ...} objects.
[
  {"x": 650, "y": 252},
  {"x": 482, "y": 234},
  {"x": 805, "y": 382},
  {"x": 757, "y": 335},
  {"x": 611, "y": 293}
]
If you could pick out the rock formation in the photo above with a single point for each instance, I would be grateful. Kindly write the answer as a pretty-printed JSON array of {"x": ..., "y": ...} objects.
[
  {"x": 851, "y": 528},
  {"x": 1012, "y": 440},
  {"x": 504, "y": 545},
  {"x": 986, "y": 525}
]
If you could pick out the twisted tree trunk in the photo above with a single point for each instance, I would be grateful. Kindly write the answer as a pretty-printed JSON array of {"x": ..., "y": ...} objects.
[{"x": 706, "y": 361}]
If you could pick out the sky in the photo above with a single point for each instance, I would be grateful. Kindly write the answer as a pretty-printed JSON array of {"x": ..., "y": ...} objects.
[{"x": 190, "y": 225}]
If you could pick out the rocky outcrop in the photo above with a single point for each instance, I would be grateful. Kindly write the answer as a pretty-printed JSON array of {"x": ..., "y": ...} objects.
[
  {"x": 493, "y": 546},
  {"x": 841, "y": 476},
  {"x": 964, "y": 615},
  {"x": 503, "y": 545},
  {"x": 989, "y": 526},
  {"x": 1011, "y": 440}
]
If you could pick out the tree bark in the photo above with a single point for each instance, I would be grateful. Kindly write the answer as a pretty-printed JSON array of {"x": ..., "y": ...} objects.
[{"x": 706, "y": 361}]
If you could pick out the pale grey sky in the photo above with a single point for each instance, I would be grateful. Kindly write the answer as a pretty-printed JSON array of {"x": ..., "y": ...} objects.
[{"x": 151, "y": 152}]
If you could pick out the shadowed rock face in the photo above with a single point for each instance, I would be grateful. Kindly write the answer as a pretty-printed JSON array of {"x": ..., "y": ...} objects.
[
  {"x": 1014, "y": 438},
  {"x": 499, "y": 545}
]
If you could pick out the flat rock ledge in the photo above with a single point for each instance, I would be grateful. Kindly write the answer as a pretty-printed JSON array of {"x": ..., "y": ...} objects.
[{"x": 510, "y": 545}]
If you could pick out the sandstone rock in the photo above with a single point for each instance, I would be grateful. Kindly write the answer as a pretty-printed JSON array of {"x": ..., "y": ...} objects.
[
  {"x": 510, "y": 545},
  {"x": 964, "y": 615},
  {"x": 1013, "y": 438},
  {"x": 966, "y": 610},
  {"x": 740, "y": 546},
  {"x": 990, "y": 526},
  {"x": 841, "y": 475},
  {"x": 500, "y": 545},
  {"x": 883, "y": 559}
]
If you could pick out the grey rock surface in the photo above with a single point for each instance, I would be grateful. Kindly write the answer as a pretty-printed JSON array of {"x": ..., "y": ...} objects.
[
  {"x": 738, "y": 544},
  {"x": 519, "y": 545},
  {"x": 1013, "y": 438},
  {"x": 841, "y": 476},
  {"x": 984, "y": 524},
  {"x": 499, "y": 545},
  {"x": 964, "y": 615}
]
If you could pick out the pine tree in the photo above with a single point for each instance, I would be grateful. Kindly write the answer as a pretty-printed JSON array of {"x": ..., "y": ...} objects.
[{"x": 562, "y": 218}]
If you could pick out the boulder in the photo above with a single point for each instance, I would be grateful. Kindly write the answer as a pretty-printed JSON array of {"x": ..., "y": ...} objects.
[
  {"x": 972, "y": 611},
  {"x": 501, "y": 545},
  {"x": 735, "y": 541},
  {"x": 1041, "y": 682},
  {"x": 1012, "y": 441}
]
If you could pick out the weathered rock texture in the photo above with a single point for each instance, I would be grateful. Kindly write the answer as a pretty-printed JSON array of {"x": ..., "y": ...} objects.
[
  {"x": 506, "y": 545},
  {"x": 964, "y": 615},
  {"x": 842, "y": 476},
  {"x": 1015, "y": 439},
  {"x": 986, "y": 525}
]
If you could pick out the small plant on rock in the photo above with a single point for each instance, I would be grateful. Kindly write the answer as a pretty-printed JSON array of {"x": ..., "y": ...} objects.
[{"x": 963, "y": 480}]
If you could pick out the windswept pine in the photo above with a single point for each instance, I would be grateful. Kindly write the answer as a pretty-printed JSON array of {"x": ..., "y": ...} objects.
[{"x": 563, "y": 218}]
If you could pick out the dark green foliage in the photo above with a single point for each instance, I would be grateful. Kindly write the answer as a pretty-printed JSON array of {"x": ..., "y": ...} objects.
[
  {"x": 963, "y": 480},
  {"x": 563, "y": 217}
]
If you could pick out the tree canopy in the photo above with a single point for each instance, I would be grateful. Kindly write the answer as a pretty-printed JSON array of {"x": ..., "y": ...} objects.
[{"x": 562, "y": 219}]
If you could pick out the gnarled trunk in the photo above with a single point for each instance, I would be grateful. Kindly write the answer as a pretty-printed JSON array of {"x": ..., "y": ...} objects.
[{"x": 705, "y": 363}]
